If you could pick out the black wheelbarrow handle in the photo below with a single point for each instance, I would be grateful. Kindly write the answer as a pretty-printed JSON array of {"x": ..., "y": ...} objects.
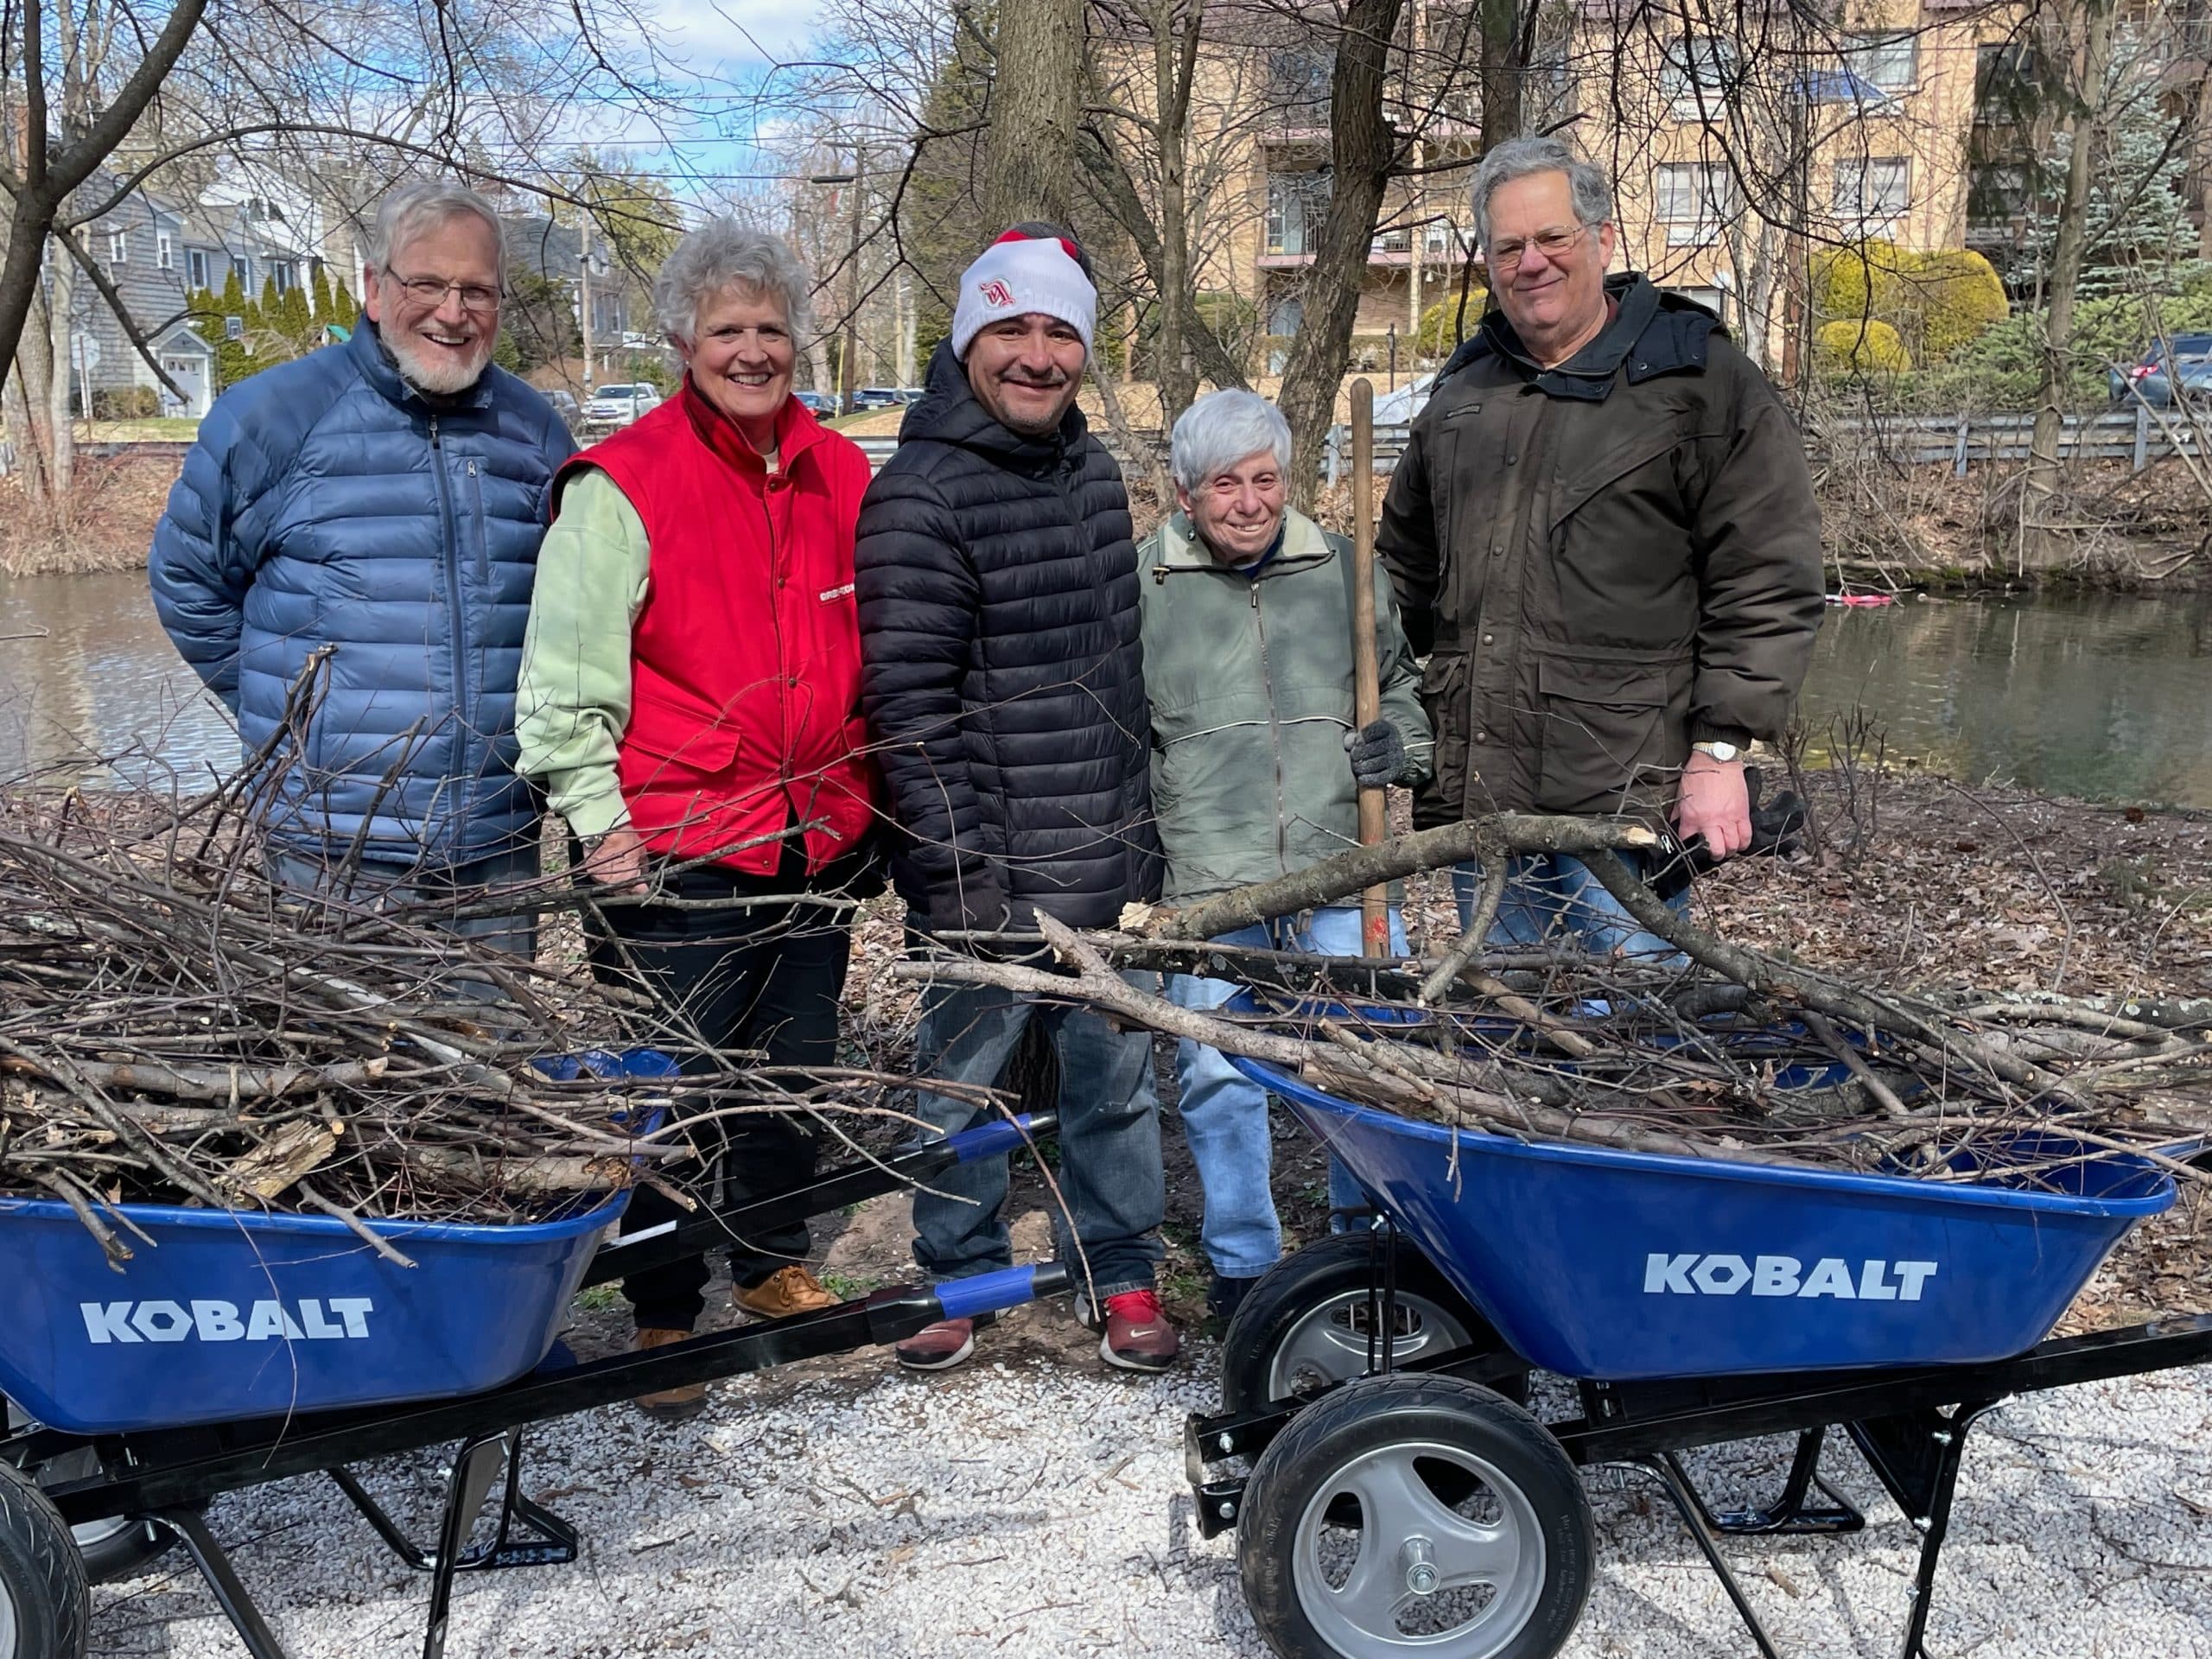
[{"x": 833, "y": 1189}]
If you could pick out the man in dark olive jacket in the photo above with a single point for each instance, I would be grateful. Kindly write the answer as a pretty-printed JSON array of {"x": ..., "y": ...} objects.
[
  {"x": 1004, "y": 688},
  {"x": 1604, "y": 533}
]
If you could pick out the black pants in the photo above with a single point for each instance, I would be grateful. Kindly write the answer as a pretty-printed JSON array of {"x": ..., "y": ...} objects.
[{"x": 746, "y": 976}]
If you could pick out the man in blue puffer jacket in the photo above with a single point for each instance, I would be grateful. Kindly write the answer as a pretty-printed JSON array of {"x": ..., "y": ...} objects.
[{"x": 383, "y": 499}]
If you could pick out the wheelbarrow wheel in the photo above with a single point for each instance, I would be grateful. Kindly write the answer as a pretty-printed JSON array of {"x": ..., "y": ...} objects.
[
  {"x": 43, "y": 1601},
  {"x": 118, "y": 1546},
  {"x": 1303, "y": 1327},
  {"x": 1409, "y": 1515}
]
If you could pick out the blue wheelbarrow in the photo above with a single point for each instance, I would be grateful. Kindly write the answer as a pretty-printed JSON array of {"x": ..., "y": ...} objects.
[
  {"x": 1394, "y": 1495},
  {"x": 241, "y": 1348}
]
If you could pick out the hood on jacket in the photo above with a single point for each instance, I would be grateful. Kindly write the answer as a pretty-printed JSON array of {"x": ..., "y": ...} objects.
[
  {"x": 949, "y": 412},
  {"x": 1654, "y": 333}
]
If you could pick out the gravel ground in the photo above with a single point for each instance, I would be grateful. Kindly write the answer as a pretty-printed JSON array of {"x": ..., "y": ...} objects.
[{"x": 1032, "y": 1504}]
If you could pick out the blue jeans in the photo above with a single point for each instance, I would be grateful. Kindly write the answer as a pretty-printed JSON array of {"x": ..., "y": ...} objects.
[
  {"x": 1225, "y": 1114},
  {"x": 1551, "y": 898},
  {"x": 1109, "y": 1170},
  {"x": 372, "y": 885}
]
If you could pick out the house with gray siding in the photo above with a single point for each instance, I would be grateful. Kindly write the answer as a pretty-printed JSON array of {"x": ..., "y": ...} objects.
[
  {"x": 139, "y": 246},
  {"x": 156, "y": 252}
]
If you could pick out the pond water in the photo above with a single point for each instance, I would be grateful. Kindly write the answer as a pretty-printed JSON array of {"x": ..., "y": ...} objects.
[{"x": 2107, "y": 698}]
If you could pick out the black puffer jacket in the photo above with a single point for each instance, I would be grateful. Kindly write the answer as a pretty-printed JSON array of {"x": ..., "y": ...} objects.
[{"x": 1000, "y": 669}]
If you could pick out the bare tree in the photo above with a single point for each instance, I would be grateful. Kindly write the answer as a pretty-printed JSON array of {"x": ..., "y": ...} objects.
[
  {"x": 1029, "y": 157},
  {"x": 1363, "y": 150}
]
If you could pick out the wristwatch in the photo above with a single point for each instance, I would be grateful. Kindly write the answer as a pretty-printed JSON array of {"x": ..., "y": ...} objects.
[{"x": 1723, "y": 752}]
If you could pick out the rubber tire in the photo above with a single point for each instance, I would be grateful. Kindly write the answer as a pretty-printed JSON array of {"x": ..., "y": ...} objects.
[
  {"x": 1375, "y": 1412},
  {"x": 41, "y": 1573},
  {"x": 1321, "y": 1272},
  {"x": 122, "y": 1554}
]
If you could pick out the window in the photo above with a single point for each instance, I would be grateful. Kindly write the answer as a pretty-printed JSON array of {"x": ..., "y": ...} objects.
[
  {"x": 1886, "y": 62},
  {"x": 1998, "y": 193},
  {"x": 1696, "y": 76},
  {"x": 195, "y": 267},
  {"x": 1695, "y": 199},
  {"x": 164, "y": 251},
  {"x": 244, "y": 269},
  {"x": 118, "y": 247},
  {"x": 1872, "y": 194},
  {"x": 1298, "y": 85},
  {"x": 284, "y": 273},
  {"x": 1296, "y": 202}
]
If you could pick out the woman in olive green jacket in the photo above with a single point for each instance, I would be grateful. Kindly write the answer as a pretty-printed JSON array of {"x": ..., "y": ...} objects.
[{"x": 1256, "y": 765}]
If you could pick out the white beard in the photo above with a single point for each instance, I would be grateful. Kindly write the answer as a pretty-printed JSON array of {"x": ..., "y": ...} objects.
[{"x": 441, "y": 380}]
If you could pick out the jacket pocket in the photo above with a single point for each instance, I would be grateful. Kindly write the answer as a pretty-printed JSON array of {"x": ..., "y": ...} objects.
[
  {"x": 1609, "y": 727},
  {"x": 1444, "y": 699},
  {"x": 483, "y": 525},
  {"x": 669, "y": 743}
]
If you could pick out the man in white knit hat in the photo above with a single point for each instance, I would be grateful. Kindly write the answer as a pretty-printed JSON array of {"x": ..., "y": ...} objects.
[{"x": 1004, "y": 692}]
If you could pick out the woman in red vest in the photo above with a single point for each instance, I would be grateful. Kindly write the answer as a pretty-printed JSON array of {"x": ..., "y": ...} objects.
[{"x": 690, "y": 697}]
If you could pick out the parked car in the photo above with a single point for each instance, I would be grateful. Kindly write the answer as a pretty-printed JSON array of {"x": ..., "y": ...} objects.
[
  {"x": 822, "y": 406},
  {"x": 619, "y": 405},
  {"x": 878, "y": 398},
  {"x": 2150, "y": 378},
  {"x": 564, "y": 405}
]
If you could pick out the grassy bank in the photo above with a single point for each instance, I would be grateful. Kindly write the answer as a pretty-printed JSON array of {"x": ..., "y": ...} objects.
[{"x": 105, "y": 524}]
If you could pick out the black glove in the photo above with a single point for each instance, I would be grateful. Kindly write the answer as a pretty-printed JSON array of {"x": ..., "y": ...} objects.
[
  {"x": 1378, "y": 753},
  {"x": 1777, "y": 828}
]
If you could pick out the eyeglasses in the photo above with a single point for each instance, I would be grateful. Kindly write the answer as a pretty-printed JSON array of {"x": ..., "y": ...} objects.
[
  {"x": 429, "y": 293},
  {"x": 1552, "y": 245}
]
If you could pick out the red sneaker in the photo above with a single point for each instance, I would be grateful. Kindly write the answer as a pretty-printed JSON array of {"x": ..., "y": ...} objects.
[{"x": 1138, "y": 1336}]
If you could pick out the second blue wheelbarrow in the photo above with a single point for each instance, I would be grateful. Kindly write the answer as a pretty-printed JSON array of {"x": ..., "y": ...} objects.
[{"x": 1395, "y": 1495}]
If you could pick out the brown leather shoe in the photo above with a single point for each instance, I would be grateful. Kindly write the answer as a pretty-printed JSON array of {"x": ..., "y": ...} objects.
[
  {"x": 670, "y": 1405},
  {"x": 782, "y": 1294}
]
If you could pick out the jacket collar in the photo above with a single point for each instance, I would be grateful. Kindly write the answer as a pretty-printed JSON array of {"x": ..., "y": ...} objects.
[
  {"x": 1653, "y": 334},
  {"x": 381, "y": 369},
  {"x": 949, "y": 412},
  {"x": 1302, "y": 542},
  {"x": 797, "y": 431}
]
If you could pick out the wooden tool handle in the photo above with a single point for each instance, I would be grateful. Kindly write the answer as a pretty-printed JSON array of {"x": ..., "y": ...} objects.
[{"x": 1367, "y": 679}]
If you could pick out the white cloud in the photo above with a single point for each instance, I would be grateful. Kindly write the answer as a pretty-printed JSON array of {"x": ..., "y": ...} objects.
[{"x": 732, "y": 34}]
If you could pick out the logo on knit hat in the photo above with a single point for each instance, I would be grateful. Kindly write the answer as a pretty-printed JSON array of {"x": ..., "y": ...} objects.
[{"x": 996, "y": 294}]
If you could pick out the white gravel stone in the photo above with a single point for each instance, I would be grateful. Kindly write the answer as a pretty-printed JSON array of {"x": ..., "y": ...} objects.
[{"x": 1023, "y": 1510}]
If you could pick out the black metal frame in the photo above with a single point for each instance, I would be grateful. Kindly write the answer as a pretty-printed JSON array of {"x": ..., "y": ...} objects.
[
  {"x": 1909, "y": 1423},
  {"x": 167, "y": 1476}
]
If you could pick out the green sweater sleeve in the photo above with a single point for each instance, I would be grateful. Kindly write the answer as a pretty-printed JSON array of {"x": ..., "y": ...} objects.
[{"x": 572, "y": 703}]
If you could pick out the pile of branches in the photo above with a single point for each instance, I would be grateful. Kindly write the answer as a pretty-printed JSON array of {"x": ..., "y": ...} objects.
[
  {"x": 173, "y": 1029},
  {"x": 1719, "y": 1052}
]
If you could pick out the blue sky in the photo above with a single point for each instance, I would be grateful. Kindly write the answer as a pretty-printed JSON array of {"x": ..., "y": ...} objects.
[{"x": 728, "y": 47}]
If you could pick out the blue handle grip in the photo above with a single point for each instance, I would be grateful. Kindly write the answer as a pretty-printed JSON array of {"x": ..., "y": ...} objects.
[
  {"x": 988, "y": 1293},
  {"x": 992, "y": 1140}
]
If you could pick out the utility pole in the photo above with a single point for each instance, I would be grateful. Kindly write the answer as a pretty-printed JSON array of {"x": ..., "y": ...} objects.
[
  {"x": 848, "y": 371},
  {"x": 583, "y": 295}
]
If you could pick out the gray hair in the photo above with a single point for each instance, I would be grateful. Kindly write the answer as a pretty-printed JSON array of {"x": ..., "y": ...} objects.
[
  {"x": 413, "y": 209},
  {"x": 1518, "y": 158},
  {"x": 1220, "y": 429},
  {"x": 720, "y": 255}
]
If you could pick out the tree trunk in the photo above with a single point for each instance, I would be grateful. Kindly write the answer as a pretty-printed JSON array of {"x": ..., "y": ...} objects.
[
  {"x": 1174, "y": 56},
  {"x": 1361, "y": 150},
  {"x": 58, "y": 303},
  {"x": 1029, "y": 159},
  {"x": 2043, "y": 543},
  {"x": 1501, "y": 71}
]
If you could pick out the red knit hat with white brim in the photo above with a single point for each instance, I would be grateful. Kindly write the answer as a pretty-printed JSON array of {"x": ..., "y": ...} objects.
[{"x": 1019, "y": 274}]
